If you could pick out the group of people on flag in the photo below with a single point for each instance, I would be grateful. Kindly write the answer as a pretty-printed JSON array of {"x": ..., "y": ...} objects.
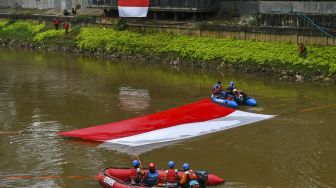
[{"x": 149, "y": 177}]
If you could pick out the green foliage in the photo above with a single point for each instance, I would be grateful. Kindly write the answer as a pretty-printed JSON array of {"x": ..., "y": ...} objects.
[
  {"x": 40, "y": 37},
  {"x": 3, "y": 23},
  {"x": 277, "y": 55},
  {"x": 21, "y": 30},
  {"x": 320, "y": 60}
]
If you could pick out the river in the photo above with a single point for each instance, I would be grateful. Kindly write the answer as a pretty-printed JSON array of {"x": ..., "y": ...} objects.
[{"x": 44, "y": 93}]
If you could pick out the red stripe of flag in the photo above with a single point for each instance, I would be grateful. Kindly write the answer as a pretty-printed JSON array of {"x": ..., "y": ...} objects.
[
  {"x": 199, "y": 111},
  {"x": 133, "y": 3}
]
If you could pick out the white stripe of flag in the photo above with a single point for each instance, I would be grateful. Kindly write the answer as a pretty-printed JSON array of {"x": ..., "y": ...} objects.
[{"x": 133, "y": 8}]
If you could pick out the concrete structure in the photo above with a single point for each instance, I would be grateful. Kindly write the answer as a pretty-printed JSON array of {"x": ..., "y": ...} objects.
[
  {"x": 268, "y": 7},
  {"x": 306, "y": 7},
  {"x": 40, "y": 4}
]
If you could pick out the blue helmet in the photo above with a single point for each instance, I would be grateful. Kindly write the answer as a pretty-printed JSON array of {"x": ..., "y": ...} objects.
[
  {"x": 185, "y": 166},
  {"x": 231, "y": 83},
  {"x": 136, "y": 163},
  {"x": 171, "y": 164}
]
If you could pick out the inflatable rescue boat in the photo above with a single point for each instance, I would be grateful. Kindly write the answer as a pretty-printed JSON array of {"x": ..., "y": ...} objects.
[
  {"x": 231, "y": 103},
  {"x": 120, "y": 178}
]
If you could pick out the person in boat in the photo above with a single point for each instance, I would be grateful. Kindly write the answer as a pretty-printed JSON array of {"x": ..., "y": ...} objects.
[
  {"x": 136, "y": 173},
  {"x": 239, "y": 96},
  {"x": 217, "y": 91},
  {"x": 189, "y": 178},
  {"x": 231, "y": 87},
  {"x": 171, "y": 176},
  {"x": 151, "y": 176}
]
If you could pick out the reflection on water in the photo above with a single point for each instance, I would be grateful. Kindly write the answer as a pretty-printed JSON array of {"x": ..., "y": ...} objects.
[
  {"x": 134, "y": 100},
  {"x": 42, "y": 94}
]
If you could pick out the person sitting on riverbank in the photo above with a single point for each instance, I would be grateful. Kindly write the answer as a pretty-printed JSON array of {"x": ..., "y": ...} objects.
[
  {"x": 73, "y": 10},
  {"x": 56, "y": 23},
  {"x": 302, "y": 50},
  {"x": 66, "y": 13}
]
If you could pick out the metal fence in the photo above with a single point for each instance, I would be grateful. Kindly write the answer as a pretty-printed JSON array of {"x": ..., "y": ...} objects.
[{"x": 174, "y": 5}]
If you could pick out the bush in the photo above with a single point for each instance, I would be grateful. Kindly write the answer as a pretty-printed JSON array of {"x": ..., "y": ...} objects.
[
  {"x": 3, "y": 23},
  {"x": 40, "y": 37},
  {"x": 21, "y": 30},
  {"x": 280, "y": 55}
]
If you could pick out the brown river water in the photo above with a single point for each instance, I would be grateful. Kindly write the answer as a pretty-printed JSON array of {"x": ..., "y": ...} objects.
[{"x": 45, "y": 93}]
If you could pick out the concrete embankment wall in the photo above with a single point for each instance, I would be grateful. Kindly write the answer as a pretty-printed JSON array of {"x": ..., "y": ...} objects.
[
  {"x": 308, "y": 36},
  {"x": 250, "y": 33}
]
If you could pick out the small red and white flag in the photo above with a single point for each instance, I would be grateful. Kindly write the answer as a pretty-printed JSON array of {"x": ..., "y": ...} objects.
[
  {"x": 133, "y": 8},
  {"x": 191, "y": 120}
]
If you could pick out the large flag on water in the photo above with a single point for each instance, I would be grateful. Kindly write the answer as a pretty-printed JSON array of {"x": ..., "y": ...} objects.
[
  {"x": 191, "y": 120},
  {"x": 133, "y": 8}
]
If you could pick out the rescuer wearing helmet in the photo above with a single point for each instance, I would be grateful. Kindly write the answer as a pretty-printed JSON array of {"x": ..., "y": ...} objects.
[
  {"x": 231, "y": 87},
  {"x": 171, "y": 175},
  {"x": 217, "y": 91},
  {"x": 189, "y": 178},
  {"x": 136, "y": 173},
  {"x": 151, "y": 176},
  {"x": 239, "y": 96}
]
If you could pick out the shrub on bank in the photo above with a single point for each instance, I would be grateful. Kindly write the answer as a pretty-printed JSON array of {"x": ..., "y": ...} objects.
[
  {"x": 275, "y": 56},
  {"x": 20, "y": 30},
  {"x": 272, "y": 55},
  {"x": 49, "y": 34},
  {"x": 3, "y": 23}
]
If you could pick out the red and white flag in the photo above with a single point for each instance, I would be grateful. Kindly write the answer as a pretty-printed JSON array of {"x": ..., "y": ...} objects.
[
  {"x": 133, "y": 8},
  {"x": 191, "y": 120}
]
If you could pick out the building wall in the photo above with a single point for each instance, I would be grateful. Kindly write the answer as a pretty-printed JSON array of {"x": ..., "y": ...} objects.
[
  {"x": 240, "y": 7},
  {"x": 40, "y": 4},
  {"x": 266, "y": 7},
  {"x": 307, "y": 7},
  {"x": 7, "y": 3}
]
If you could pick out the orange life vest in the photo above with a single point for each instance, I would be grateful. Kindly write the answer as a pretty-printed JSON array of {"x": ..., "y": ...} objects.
[{"x": 192, "y": 175}]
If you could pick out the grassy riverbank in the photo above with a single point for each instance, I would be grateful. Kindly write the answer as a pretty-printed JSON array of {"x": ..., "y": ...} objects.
[{"x": 251, "y": 56}]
